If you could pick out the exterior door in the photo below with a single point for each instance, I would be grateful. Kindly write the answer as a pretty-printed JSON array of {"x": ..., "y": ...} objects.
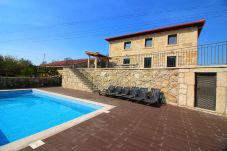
[{"x": 205, "y": 88}]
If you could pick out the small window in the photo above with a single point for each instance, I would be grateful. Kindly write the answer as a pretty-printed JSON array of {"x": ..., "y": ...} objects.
[
  {"x": 171, "y": 61},
  {"x": 147, "y": 62},
  {"x": 172, "y": 39},
  {"x": 127, "y": 45},
  {"x": 148, "y": 42},
  {"x": 126, "y": 61}
]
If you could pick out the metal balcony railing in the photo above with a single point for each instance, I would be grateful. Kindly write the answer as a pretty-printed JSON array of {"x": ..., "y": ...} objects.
[
  {"x": 202, "y": 55},
  {"x": 212, "y": 54}
]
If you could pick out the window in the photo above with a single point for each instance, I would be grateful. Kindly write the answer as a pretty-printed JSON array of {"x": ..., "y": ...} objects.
[
  {"x": 148, "y": 42},
  {"x": 126, "y": 61},
  {"x": 147, "y": 62},
  {"x": 172, "y": 39},
  {"x": 127, "y": 45},
  {"x": 171, "y": 61}
]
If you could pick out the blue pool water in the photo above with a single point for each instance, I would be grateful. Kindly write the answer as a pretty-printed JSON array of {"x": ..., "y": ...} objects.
[{"x": 26, "y": 112}]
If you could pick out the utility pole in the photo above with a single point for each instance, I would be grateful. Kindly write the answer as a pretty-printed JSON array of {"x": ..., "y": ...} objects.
[{"x": 44, "y": 59}]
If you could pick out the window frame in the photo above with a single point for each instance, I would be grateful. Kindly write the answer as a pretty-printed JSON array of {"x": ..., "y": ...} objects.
[
  {"x": 172, "y": 43},
  {"x": 125, "y": 43},
  {"x": 150, "y": 62},
  {"x": 175, "y": 63},
  {"x": 123, "y": 62},
  {"x": 146, "y": 41}
]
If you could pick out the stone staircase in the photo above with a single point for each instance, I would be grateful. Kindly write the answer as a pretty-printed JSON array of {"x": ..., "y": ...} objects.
[{"x": 85, "y": 80}]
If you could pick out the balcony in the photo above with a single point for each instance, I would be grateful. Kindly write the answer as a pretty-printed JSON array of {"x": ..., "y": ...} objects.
[{"x": 214, "y": 54}]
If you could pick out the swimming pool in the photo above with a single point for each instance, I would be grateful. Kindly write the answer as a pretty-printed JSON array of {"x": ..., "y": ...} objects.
[{"x": 27, "y": 112}]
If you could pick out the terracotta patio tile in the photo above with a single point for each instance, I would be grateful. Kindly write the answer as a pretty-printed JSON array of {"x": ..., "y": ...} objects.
[{"x": 136, "y": 127}]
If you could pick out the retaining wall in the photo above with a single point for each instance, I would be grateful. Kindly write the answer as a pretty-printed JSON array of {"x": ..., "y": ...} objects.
[
  {"x": 177, "y": 84},
  {"x": 27, "y": 82}
]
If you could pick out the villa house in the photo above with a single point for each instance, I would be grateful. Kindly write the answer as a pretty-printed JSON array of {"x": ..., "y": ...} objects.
[
  {"x": 161, "y": 47},
  {"x": 168, "y": 59}
]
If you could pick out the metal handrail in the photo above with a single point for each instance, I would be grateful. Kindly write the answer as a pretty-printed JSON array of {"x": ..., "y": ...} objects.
[
  {"x": 202, "y": 55},
  {"x": 183, "y": 48}
]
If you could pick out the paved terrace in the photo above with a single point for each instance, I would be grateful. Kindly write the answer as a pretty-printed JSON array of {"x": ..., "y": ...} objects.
[{"x": 137, "y": 127}]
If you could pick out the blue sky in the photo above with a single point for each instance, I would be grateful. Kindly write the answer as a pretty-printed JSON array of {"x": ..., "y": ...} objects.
[{"x": 66, "y": 28}]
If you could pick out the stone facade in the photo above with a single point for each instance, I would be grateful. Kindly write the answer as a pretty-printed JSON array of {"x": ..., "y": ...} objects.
[
  {"x": 71, "y": 80},
  {"x": 164, "y": 79},
  {"x": 186, "y": 84},
  {"x": 186, "y": 38},
  {"x": 177, "y": 84}
]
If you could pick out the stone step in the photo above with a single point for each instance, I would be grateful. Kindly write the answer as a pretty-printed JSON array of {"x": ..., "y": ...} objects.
[{"x": 85, "y": 80}]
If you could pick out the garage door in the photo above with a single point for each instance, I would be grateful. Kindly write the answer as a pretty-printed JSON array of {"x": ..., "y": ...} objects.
[{"x": 205, "y": 88}]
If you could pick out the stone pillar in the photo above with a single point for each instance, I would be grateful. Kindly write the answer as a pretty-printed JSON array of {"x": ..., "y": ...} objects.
[
  {"x": 221, "y": 93},
  {"x": 186, "y": 82},
  {"x": 107, "y": 63},
  {"x": 96, "y": 62},
  {"x": 88, "y": 62}
]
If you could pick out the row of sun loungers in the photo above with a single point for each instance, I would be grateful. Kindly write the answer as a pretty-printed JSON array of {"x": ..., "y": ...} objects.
[{"x": 154, "y": 96}]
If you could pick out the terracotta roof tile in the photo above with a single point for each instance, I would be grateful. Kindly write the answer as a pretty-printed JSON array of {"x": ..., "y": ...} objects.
[
  {"x": 199, "y": 24},
  {"x": 66, "y": 62}
]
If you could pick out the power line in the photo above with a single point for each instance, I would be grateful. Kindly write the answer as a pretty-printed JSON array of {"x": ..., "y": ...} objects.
[
  {"x": 126, "y": 16},
  {"x": 44, "y": 59},
  {"x": 84, "y": 34}
]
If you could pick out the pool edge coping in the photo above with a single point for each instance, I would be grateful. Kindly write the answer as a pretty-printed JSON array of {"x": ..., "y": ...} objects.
[{"x": 24, "y": 142}]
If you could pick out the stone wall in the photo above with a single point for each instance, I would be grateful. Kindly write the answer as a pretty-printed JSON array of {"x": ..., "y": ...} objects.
[
  {"x": 177, "y": 84},
  {"x": 27, "y": 82},
  {"x": 187, "y": 87},
  {"x": 71, "y": 80},
  {"x": 164, "y": 79},
  {"x": 187, "y": 39}
]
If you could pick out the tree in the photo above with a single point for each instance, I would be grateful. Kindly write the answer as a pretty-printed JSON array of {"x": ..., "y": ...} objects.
[
  {"x": 13, "y": 67},
  {"x": 1, "y": 64}
]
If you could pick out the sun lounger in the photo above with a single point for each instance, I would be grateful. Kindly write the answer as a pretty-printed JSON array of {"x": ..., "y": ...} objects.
[
  {"x": 125, "y": 91},
  {"x": 116, "y": 91},
  {"x": 132, "y": 93},
  {"x": 153, "y": 96},
  {"x": 107, "y": 91},
  {"x": 142, "y": 94}
]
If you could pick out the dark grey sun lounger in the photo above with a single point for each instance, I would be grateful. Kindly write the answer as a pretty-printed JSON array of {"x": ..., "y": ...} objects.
[
  {"x": 116, "y": 91},
  {"x": 153, "y": 96},
  {"x": 132, "y": 93},
  {"x": 125, "y": 91},
  {"x": 142, "y": 94},
  {"x": 107, "y": 91}
]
